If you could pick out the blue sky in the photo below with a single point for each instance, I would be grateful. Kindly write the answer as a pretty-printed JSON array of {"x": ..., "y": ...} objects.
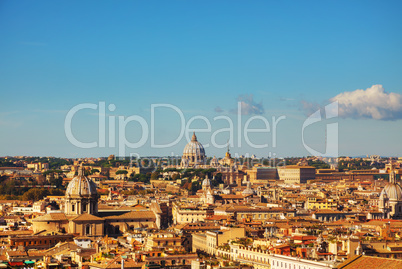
[{"x": 202, "y": 57}]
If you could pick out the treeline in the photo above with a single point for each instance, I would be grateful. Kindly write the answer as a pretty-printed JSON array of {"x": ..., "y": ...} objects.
[
  {"x": 8, "y": 163},
  {"x": 359, "y": 164},
  {"x": 37, "y": 194},
  {"x": 11, "y": 189},
  {"x": 33, "y": 194},
  {"x": 54, "y": 163},
  {"x": 315, "y": 163}
]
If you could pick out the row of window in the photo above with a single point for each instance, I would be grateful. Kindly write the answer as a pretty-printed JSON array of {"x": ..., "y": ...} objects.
[
  {"x": 31, "y": 243},
  {"x": 249, "y": 256},
  {"x": 192, "y": 219},
  {"x": 259, "y": 216},
  {"x": 277, "y": 263},
  {"x": 285, "y": 265},
  {"x": 169, "y": 244}
]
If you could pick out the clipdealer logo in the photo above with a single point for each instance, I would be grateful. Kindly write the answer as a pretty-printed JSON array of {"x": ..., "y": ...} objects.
[{"x": 146, "y": 130}]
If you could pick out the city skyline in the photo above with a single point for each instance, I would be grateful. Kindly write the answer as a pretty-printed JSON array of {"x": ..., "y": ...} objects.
[
  {"x": 274, "y": 59},
  {"x": 200, "y": 134}
]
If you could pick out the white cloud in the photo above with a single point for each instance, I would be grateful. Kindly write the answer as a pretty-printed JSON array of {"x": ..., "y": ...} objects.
[
  {"x": 248, "y": 106},
  {"x": 309, "y": 107},
  {"x": 372, "y": 103},
  {"x": 218, "y": 109}
]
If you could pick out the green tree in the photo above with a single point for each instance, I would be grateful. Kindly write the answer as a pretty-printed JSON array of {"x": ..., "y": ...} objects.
[
  {"x": 119, "y": 172},
  {"x": 37, "y": 194},
  {"x": 154, "y": 175},
  {"x": 175, "y": 176}
]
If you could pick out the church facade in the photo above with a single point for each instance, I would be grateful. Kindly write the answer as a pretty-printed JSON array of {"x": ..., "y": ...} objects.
[
  {"x": 390, "y": 200},
  {"x": 81, "y": 217}
]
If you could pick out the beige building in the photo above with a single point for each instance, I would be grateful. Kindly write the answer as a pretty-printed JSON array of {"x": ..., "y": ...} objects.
[
  {"x": 241, "y": 212},
  {"x": 220, "y": 237},
  {"x": 53, "y": 222},
  {"x": 186, "y": 213},
  {"x": 257, "y": 174},
  {"x": 164, "y": 241},
  {"x": 262, "y": 259},
  {"x": 296, "y": 174},
  {"x": 209, "y": 241},
  {"x": 199, "y": 242},
  {"x": 87, "y": 225},
  {"x": 115, "y": 225}
]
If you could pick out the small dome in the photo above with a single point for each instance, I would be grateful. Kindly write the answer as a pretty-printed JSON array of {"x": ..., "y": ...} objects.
[
  {"x": 248, "y": 190},
  {"x": 393, "y": 191},
  {"x": 81, "y": 185}
]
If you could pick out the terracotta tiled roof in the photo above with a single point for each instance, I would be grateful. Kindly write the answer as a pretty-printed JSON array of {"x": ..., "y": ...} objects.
[
  {"x": 328, "y": 211},
  {"x": 134, "y": 215},
  {"x": 10, "y": 201},
  {"x": 361, "y": 261},
  {"x": 86, "y": 217},
  {"x": 195, "y": 226},
  {"x": 11, "y": 217},
  {"x": 306, "y": 237},
  {"x": 232, "y": 196},
  {"x": 7, "y": 233},
  {"x": 36, "y": 253},
  {"x": 282, "y": 246},
  {"x": 11, "y": 253},
  {"x": 244, "y": 208},
  {"x": 51, "y": 217},
  {"x": 115, "y": 265},
  {"x": 393, "y": 223},
  {"x": 217, "y": 217},
  {"x": 61, "y": 247}
]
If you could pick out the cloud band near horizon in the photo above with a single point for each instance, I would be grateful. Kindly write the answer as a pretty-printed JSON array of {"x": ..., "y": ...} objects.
[{"x": 372, "y": 103}]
